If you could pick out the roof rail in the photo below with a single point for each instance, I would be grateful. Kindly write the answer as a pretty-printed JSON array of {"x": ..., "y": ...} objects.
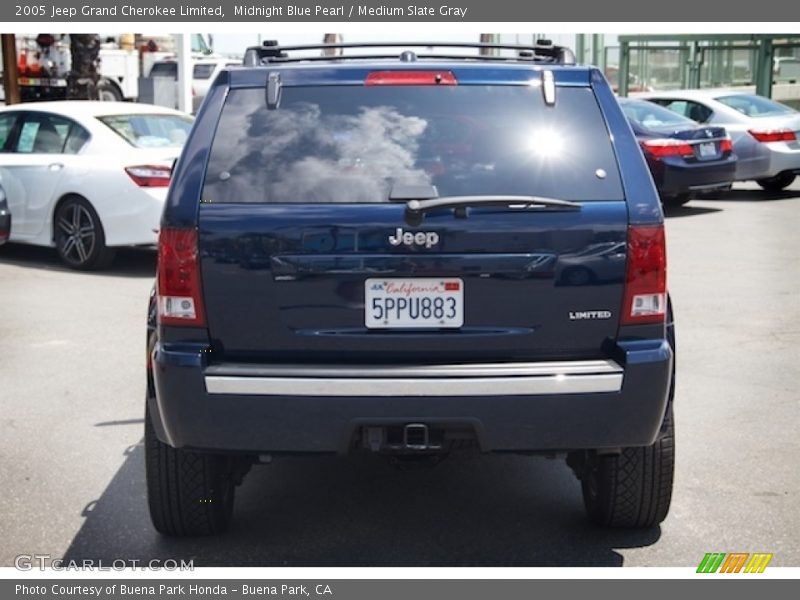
[{"x": 543, "y": 51}]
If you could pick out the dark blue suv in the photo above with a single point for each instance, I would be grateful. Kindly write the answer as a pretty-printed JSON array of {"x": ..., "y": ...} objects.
[{"x": 410, "y": 254}]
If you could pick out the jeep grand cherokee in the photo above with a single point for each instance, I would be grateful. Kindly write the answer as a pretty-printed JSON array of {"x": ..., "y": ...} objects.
[{"x": 409, "y": 254}]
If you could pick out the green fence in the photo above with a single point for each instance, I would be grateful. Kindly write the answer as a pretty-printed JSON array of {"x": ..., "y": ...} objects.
[{"x": 664, "y": 62}]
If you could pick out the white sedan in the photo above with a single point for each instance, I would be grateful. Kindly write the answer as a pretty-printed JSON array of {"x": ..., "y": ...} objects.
[{"x": 87, "y": 177}]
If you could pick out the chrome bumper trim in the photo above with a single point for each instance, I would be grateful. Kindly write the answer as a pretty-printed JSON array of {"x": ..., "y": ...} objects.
[{"x": 501, "y": 379}]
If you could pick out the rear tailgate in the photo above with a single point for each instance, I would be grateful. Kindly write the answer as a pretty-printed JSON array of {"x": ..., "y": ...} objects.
[
  {"x": 295, "y": 290},
  {"x": 296, "y": 219}
]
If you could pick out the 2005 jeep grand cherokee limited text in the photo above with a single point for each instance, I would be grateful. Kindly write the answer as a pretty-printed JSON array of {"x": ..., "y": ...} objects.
[{"x": 410, "y": 255}]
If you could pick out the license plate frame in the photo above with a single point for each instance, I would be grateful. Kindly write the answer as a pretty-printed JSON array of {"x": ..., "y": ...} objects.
[
  {"x": 707, "y": 150},
  {"x": 407, "y": 309}
]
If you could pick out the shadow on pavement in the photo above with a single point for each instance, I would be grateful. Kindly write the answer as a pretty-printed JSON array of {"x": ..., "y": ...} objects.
[
  {"x": 750, "y": 196},
  {"x": 671, "y": 212},
  {"x": 362, "y": 511},
  {"x": 128, "y": 262}
]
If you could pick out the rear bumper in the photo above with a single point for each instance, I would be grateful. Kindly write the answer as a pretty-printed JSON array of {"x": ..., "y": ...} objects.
[
  {"x": 134, "y": 217},
  {"x": 677, "y": 176},
  {"x": 769, "y": 160},
  {"x": 783, "y": 157},
  {"x": 510, "y": 407}
]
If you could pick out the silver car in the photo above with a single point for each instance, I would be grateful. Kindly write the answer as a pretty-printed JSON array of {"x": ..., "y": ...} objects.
[{"x": 765, "y": 133}]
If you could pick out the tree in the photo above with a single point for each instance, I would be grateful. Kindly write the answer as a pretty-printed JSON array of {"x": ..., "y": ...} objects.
[{"x": 83, "y": 76}]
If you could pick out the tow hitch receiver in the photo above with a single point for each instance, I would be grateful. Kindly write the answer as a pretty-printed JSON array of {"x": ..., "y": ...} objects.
[
  {"x": 409, "y": 437},
  {"x": 415, "y": 436}
]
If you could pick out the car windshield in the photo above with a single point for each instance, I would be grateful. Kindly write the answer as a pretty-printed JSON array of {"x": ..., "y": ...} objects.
[
  {"x": 754, "y": 106},
  {"x": 354, "y": 143},
  {"x": 203, "y": 70},
  {"x": 150, "y": 131},
  {"x": 165, "y": 69},
  {"x": 652, "y": 116}
]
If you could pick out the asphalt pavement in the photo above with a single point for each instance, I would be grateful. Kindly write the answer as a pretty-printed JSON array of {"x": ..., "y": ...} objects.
[{"x": 71, "y": 405}]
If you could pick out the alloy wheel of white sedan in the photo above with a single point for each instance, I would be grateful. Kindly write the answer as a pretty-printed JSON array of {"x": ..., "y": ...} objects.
[
  {"x": 88, "y": 177},
  {"x": 79, "y": 236}
]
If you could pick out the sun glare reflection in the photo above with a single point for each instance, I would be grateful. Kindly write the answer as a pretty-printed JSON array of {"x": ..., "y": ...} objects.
[{"x": 546, "y": 143}]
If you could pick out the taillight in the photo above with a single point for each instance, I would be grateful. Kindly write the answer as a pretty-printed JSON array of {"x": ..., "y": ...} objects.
[
  {"x": 726, "y": 145},
  {"x": 150, "y": 175},
  {"x": 411, "y": 78},
  {"x": 180, "y": 299},
  {"x": 773, "y": 135},
  {"x": 660, "y": 148},
  {"x": 646, "y": 276}
]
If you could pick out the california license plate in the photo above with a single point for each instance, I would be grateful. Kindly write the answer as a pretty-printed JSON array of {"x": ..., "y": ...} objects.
[
  {"x": 708, "y": 150},
  {"x": 413, "y": 303}
]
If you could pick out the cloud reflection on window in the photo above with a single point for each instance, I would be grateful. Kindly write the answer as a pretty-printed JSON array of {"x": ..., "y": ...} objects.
[{"x": 353, "y": 158}]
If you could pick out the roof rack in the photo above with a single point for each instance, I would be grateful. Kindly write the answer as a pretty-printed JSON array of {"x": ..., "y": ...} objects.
[{"x": 543, "y": 51}]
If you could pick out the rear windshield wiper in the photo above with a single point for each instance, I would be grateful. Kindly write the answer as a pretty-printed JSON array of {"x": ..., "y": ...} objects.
[{"x": 416, "y": 208}]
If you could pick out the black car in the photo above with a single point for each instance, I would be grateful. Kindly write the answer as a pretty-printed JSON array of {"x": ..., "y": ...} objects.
[
  {"x": 684, "y": 157},
  {"x": 410, "y": 255}
]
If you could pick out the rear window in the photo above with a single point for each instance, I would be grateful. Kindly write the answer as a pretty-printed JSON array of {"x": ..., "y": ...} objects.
[
  {"x": 165, "y": 69},
  {"x": 754, "y": 106},
  {"x": 150, "y": 131},
  {"x": 203, "y": 71},
  {"x": 653, "y": 116},
  {"x": 353, "y": 143}
]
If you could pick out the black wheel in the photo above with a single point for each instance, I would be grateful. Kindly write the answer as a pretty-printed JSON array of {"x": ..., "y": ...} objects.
[
  {"x": 777, "y": 183},
  {"x": 189, "y": 493},
  {"x": 677, "y": 200},
  {"x": 79, "y": 236},
  {"x": 108, "y": 91},
  {"x": 634, "y": 488}
]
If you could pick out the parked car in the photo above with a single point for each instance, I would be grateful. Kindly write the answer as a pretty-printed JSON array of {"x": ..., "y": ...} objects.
[
  {"x": 764, "y": 132},
  {"x": 402, "y": 305},
  {"x": 683, "y": 156},
  {"x": 203, "y": 73},
  {"x": 5, "y": 217},
  {"x": 87, "y": 177}
]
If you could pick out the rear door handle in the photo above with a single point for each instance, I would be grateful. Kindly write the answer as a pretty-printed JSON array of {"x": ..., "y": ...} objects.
[{"x": 55, "y": 166}]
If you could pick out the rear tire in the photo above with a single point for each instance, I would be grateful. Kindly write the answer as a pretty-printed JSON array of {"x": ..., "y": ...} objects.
[
  {"x": 108, "y": 91},
  {"x": 79, "y": 237},
  {"x": 633, "y": 489},
  {"x": 189, "y": 493},
  {"x": 776, "y": 184}
]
